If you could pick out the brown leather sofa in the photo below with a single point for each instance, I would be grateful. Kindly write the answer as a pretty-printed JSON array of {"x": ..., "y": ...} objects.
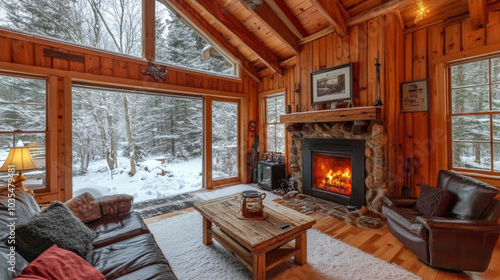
[
  {"x": 123, "y": 248},
  {"x": 462, "y": 240}
]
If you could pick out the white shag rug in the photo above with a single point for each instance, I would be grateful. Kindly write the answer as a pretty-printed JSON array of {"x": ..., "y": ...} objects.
[
  {"x": 180, "y": 239},
  {"x": 233, "y": 190}
]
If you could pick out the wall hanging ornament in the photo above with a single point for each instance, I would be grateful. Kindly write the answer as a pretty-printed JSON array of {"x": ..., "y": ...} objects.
[
  {"x": 158, "y": 72},
  {"x": 378, "y": 102}
]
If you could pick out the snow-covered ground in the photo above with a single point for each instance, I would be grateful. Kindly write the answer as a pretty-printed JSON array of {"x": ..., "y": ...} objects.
[{"x": 147, "y": 183}]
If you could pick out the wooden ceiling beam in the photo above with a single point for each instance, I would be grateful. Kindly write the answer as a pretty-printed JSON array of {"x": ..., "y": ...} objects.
[
  {"x": 390, "y": 6},
  {"x": 332, "y": 11},
  {"x": 288, "y": 18},
  {"x": 268, "y": 16},
  {"x": 477, "y": 12},
  {"x": 234, "y": 27},
  {"x": 197, "y": 22}
]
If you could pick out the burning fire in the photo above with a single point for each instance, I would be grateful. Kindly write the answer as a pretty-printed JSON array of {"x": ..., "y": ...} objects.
[{"x": 339, "y": 182}]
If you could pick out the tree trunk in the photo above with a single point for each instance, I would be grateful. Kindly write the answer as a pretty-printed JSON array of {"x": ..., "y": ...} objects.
[
  {"x": 172, "y": 123},
  {"x": 131, "y": 146}
]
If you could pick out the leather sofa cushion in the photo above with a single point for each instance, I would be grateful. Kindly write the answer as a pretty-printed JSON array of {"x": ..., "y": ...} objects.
[
  {"x": 112, "y": 230},
  {"x": 473, "y": 197},
  {"x": 154, "y": 272},
  {"x": 126, "y": 256},
  {"x": 407, "y": 218},
  {"x": 19, "y": 262},
  {"x": 25, "y": 209},
  {"x": 85, "y": 207}
]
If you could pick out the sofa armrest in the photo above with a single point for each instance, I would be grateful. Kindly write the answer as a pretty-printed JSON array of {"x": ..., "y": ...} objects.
[
  {"x": 114, "y": 205},
  {"x": 397, "y": 201},
  {"x": 439, "y": 223}
]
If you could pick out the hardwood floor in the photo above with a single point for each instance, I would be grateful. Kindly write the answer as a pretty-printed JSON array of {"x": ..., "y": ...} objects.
[{"x": 381, "y": 244}]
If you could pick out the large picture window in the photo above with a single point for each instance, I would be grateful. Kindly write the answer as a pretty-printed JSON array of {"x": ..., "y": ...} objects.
[
  {"x": 145, "y": 145},
  {"x": 275, "y": 131},
  {"x": 23, "y": 119},
  {"x": 112, "y": 25},
  {"x": 475, "y": 115}
]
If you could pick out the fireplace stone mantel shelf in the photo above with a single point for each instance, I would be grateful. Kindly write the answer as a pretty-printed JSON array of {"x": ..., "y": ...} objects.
[{"x": 333, "y": 115}]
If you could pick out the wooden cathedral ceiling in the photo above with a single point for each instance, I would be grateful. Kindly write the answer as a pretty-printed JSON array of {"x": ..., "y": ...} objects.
[{"x": 271, "y": 34}]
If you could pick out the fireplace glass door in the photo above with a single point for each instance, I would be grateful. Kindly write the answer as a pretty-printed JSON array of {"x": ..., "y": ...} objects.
[{"x": 332, "y": 173}]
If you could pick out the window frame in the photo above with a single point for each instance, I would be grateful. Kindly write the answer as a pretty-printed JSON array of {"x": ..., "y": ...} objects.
[
  {"x": 490, "y": 113},
  {"x": 262, "y": 128},
  {"x": 266, "y": 124},
  {"x": 46, "y": 132}
]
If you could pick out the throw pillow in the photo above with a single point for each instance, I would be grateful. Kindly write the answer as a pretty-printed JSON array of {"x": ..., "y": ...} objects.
[
  {"x": 434, "y": 201},
  {"x": 56, "y": 264},
  {"x": 85, "y": 207},
  {"x": 54, "y": 225}
]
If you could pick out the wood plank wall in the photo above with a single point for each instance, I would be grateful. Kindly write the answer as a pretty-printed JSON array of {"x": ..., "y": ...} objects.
[
  {"x": 405, "y": 56},
  {"x": 379, "y": 36},
  {"x": 25, "y": 55},
  {"x": 427, "y": 53}
]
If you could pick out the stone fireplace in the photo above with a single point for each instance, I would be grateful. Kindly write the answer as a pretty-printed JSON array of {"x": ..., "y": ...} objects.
[
  {"x": 334, "y": 169},
  {"x": 370, "y": 149}
]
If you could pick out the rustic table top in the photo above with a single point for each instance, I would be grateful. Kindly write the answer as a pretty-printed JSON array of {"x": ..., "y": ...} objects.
[{"x": 255, "y": 235}]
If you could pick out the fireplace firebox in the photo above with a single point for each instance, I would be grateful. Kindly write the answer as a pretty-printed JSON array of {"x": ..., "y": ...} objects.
[{"x": 334, "y": 169}]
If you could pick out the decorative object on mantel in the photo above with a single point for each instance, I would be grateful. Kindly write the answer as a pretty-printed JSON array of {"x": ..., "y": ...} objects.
[
  {"x": 415, "y": 96},
  {"x": 297, "y": 97},
  {"x": 332, "y": 85},
  {"x": 378, "y": 102},
  {"x": 158, "y": 72}
]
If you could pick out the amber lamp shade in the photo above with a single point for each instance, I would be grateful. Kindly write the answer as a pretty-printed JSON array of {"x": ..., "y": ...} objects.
[{"x": 20, "y": 159}]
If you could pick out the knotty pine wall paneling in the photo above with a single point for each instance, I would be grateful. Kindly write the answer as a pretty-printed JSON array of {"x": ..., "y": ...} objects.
[{"x": 427, "y": 54}]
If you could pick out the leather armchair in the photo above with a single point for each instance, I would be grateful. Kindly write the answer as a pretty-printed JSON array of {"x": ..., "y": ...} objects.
[{"x": 464, "y": 239}]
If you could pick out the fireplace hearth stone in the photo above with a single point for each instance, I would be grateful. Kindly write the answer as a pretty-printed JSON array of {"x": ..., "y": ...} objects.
[{"x": 375, "y": 150}]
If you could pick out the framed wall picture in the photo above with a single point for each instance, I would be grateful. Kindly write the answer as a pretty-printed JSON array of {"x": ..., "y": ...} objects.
[
  {"x": 415, "y": 96},
  {"x": 332, "y": 85}
]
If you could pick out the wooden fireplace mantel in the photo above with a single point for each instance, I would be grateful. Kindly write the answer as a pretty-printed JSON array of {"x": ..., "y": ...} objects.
[{"x": 333, "y": 115}]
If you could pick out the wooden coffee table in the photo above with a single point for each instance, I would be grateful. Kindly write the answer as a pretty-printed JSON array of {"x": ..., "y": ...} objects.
[{"x": 259, "y": 244}]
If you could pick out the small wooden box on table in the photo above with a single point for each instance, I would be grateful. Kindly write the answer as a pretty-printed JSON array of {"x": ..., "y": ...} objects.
[{"x": 259, "y": 244}]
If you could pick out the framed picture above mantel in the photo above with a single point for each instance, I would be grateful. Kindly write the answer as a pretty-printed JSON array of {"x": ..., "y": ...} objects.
[{"x": 332, "y": 85}]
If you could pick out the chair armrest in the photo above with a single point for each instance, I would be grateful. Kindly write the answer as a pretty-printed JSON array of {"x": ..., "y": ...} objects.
[
  {"x": 398, "y": 201},
  {"x": 114, "y": 205},
  {"x": 439, "y": 223}
]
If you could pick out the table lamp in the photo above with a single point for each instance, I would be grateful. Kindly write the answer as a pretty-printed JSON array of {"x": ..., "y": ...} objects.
[{"x": 20, "y": 158}]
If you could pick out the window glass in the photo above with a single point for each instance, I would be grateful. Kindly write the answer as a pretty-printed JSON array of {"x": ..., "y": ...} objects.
[
  {"x": 23, "y": 119},
  {"x": 224, "y": 140},
  {"x": 275, "y": 132},
  {"x": 475, "y": 122},
  {"x": 148, "y": 146},
  {"x": 113, "y": 25},
  {"x": 474, "y": 73},
  {"x": 178, "y": 43}
]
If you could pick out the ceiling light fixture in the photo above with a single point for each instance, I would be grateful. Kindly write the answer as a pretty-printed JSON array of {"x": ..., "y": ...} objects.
[{"x": 421, "y": 12}]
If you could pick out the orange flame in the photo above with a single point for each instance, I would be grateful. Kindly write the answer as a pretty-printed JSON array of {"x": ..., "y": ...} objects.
[{"x": 340, "y": 181}]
